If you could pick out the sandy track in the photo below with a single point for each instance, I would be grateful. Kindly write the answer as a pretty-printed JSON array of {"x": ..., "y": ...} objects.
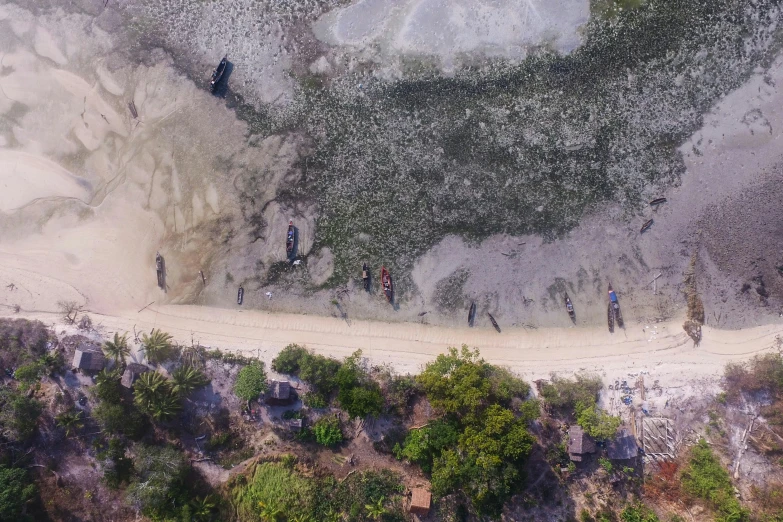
[{"x": 668, "y": 355}]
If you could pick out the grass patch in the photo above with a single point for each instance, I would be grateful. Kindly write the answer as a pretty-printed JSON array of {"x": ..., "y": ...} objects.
[{"x": 705, "y": 478}]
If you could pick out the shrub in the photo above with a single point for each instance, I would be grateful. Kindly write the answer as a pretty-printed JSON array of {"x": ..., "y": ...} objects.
[
  {"x": 606, "y": 464},
  {"x": 18, "y": 415},
  {"x": 565, "y": 394},
  {"x": 638, "y": 513},
  {"x": 314, "y": 400},
  {"x": 327, "y": 431},
  {"x": 705, "y": 478},
  {"x": 160, "y": 471},
  {"x": 596, "y": 422},
  {"x": 275, "y": 486},
  {"x": 251, "y": 381},
  {"x": 117, "y": 466},
  {"x": 289, "y": 359}
]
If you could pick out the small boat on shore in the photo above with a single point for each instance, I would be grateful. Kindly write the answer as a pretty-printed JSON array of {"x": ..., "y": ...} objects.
[
  {"x": 472, "y": 314},
  {"x": 289, "y": 240},
  {"x": 610, "y": 317},
  {"x": 219, "y": 71},
  {"x": 160, "y": 270},
  {"x": 657, "y": 201},
  {"x": 614, "y": 308},
  {"x": 240, "y": 295},
  {"x": 646, "y": 226},
  {"x": 366, "y": 276},
  {"x": 570, "y": 309},
  {"x": 494, "y": 323},
  {"x": 386, "y": 283}
]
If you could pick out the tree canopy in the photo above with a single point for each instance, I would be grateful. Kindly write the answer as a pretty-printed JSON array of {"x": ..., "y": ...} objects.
[
  {"x": 251, "y": 381},
  {"x": 15, "y": 492}
]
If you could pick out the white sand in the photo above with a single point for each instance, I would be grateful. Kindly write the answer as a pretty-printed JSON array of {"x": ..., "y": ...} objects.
[{"x": 25, "y": 178}]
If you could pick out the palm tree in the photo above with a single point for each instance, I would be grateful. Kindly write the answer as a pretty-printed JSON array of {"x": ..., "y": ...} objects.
[
  {"x": 149, "y": 387},
  {"x": 202, "y": 508},
  {"x": 71, "y": 421},
  {"x": 164, "y": 407},
  {"x": 376, "y": 510},
  {"x": 270, "y": 512},
  {"x": 185, "y": 379},
  {"x": 118, "y": 349},
  {"x": 157, "y": 346}
]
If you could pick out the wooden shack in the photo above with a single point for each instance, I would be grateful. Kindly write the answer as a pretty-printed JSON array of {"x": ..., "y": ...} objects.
[
  {"x": 131, "y": 374},
  {"x": 295, "y": 425},
  {"x": 420, "y": 501},
  {"x": 579, "y": 443},
  {"x": 88, "y": 358},
  {"x": 279, "y": 392}
]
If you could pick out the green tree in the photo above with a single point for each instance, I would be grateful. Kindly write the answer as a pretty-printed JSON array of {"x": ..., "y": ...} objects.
[
  {"x": 15, "y": 492},
  {"x": 596, "y": 422},
  {"x": 157, "y": 346},
  {"x": 376, "y": 510},
  {"x": 327, "y": 431},
  {"x": 107, "y": 386},
  {"x": 154, "y": 396},
  {"x": 185, "y": 379},
  {"x": 70, "y": 421},
  {"x": 290, "y": 359},
  {"x": 251, "y": 381},
  {"x": 160, "y": 471},
  {"x": 423, "y": 445},
  {"x": 118, "y": 349},
  {"x": 456, "y": 383},
  {"x": 18, "y": 415}
]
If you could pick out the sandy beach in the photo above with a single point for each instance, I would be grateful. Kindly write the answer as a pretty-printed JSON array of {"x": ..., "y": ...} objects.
[{"x": 89, "y": 194}]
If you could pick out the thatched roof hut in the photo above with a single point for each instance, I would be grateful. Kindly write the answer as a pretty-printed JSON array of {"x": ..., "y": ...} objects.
[
  {"x": 420, "y": 501},
  {"x": 87, "y": 357},
  {"x": 132, "y": 372},
  {"x": 579, "y": 443}
]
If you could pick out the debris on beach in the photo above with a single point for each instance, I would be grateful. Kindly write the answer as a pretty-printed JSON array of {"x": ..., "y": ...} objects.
[
  {"x": 132, "y": 109},
  {"x": 657, "y": 201},
  {"x": 646, "y": 226},
  {"x": 494, "y": 323}
]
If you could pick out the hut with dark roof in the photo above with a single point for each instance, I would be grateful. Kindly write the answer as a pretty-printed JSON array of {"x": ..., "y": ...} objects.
[
  {"x": 88, "y": 358},
  {"x": 131, "y": 374},
  {"x": 279, "y": 392},
  {"x": 579, "y": 443}
]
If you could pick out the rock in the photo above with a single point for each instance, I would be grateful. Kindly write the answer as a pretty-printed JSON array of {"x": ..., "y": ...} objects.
[{"x": 321, "y": 266}]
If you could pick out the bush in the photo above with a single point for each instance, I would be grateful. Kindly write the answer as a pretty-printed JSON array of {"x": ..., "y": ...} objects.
[
  {"x": 423, "y": 445},
  {"x": 18, "y": 415},
  {"x": 327, "y": 431},
  {"x": 274, "y": 486},
  {"x": 15, "y": 492},
  {"x": 565, "y": 394},
  {"x": 251, "y": 381},
  {"x": 315, "y": 401},
  {"x": 638, "y": 513},
  {"x": 596, "y": 422},
  {"x": 119, "y": 419},
  {"x": 29, "y": 373},
  {"x": 289, "y": 359},
  {"x": 705, "y": 478},
  {"x": 160, "y": 471}
]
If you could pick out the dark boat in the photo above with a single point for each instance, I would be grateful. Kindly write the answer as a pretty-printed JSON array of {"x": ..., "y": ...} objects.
[
  {"x": 160, "y": 270},
  {"x": 646, "y": 226},
  {"x": 618, "y": 315},
  {"x": 386, "y": 282},
  {"x": 614, "y": 308},
  {"x": 217, "y": 74},
  {"x": 240, "y": 295},
  {"x": 494, "y": 323},
  {"x": 472, "y": 314},
  {"x": 570, "y": 309},
  {"x": 289, "y": 240},
  {"x": 657, "y": 201},
  {"x": 610, "y": 317},
  {"x": 366, "y": 276}
]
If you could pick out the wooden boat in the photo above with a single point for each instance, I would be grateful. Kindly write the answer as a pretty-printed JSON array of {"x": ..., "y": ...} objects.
[
  {"x": 610, "y": 317},
  {"x": 472, "y": 314},
  {"x": 614, "y": 308},
  {"x": 618, "y": 316},
  {"x": 386, "y": 283},
  {"x": 494, "y": 323},
  {"x": 289, "y": 240},
  {"x": 657, "y": 201},
  {"x": 217, "y": 74},
  {"x": 570, "y": 309},
  {"x": 159, "y": 269},
  {"x": 366, "y": 276},
  {"x": 646, "y": 226},
  {"x": 240, "y": 295}
]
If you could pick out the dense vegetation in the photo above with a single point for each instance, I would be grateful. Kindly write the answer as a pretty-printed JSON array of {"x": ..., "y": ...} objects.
[
  {"x": 273, "y": 491},
  {"x": 578, "y": 396},
  {"x": 707, "y": 479},
  {"x": 478, "y": 445}
]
